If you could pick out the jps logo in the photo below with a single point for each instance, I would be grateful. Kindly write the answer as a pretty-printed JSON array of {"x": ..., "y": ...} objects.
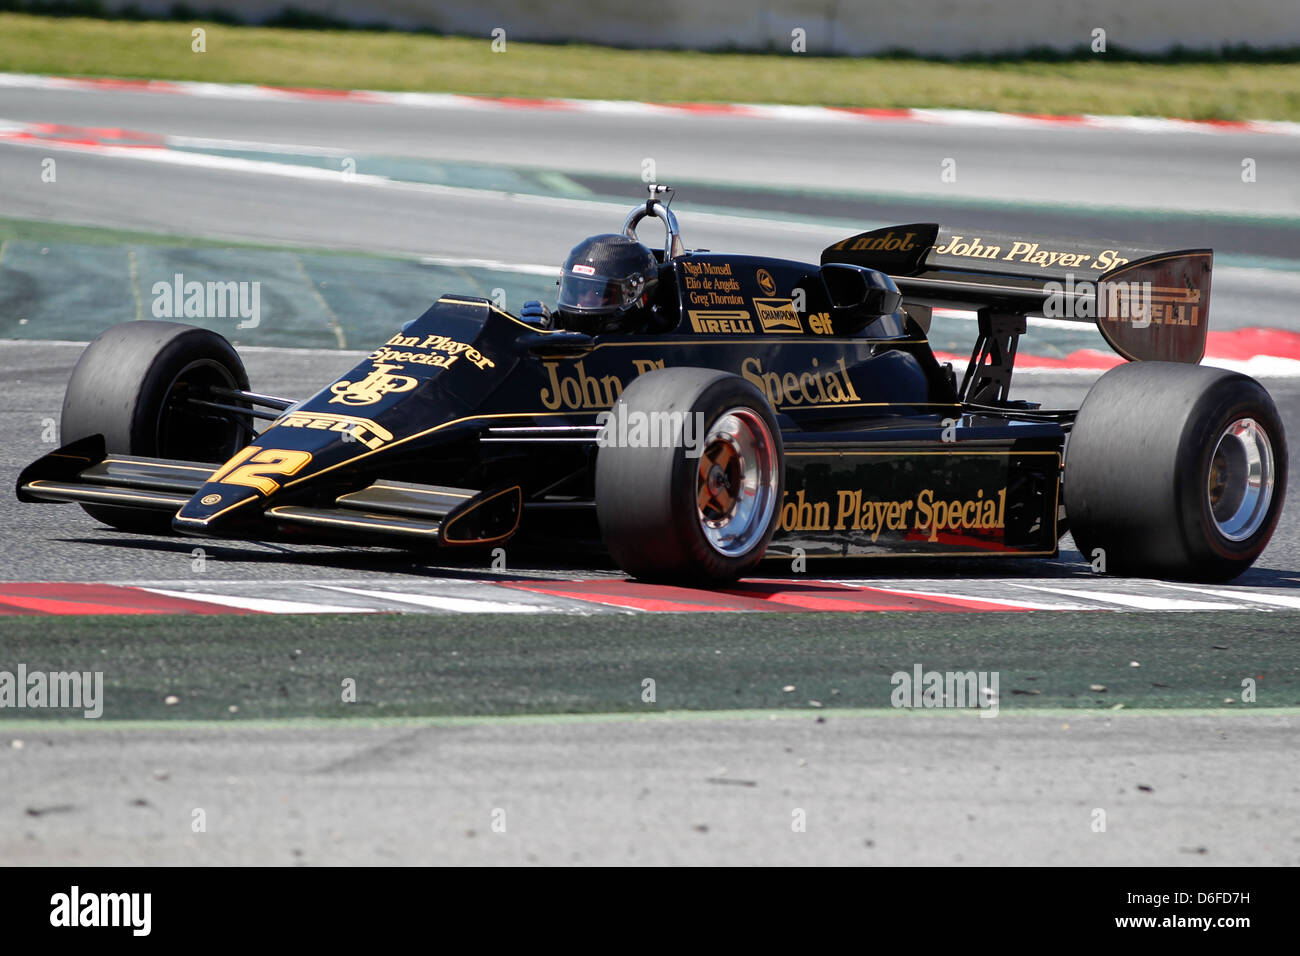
[{"x": 372, "y": 388}]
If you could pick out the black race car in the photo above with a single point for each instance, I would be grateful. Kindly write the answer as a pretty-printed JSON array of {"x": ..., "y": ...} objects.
[{"x": 775, "y": 408}]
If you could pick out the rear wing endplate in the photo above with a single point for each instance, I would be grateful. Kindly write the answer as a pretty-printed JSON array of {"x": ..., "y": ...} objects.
[{"x": 1149, "y": 305}]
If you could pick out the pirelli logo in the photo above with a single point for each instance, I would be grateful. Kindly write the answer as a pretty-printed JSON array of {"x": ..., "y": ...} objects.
[
  {"x": 1141, "y": 304},
  {"x": 369, "y": 433},
  {"x": 722, "y": 322}
]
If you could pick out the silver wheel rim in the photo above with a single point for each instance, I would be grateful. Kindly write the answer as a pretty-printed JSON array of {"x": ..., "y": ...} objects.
[
  {"x": 1239, "y": 487},
  {"x": 736, "y": 482}
]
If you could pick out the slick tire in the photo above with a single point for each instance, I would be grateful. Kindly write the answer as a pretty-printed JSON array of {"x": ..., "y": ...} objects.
[
  {"x": 1175, "y": 471},
  {"x": 125, "y": 387},
  {"x": 700, "y": 506}
]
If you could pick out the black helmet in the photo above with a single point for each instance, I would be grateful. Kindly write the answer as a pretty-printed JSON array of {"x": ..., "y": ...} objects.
[{"x": 604, "y": 280}]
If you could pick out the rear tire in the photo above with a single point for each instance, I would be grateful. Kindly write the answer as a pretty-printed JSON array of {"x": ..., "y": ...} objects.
[
  {"x": 667, "y": 516},
  {"x": 1175, "y": 471},
  {"x": 125, "y": 387}
]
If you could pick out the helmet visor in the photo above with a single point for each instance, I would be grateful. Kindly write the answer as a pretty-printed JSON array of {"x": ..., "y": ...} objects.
[{"x": 597, "y": 293}]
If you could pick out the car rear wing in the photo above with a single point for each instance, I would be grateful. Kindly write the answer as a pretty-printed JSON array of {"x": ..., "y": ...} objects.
[{"x": 1149, "y": 305}]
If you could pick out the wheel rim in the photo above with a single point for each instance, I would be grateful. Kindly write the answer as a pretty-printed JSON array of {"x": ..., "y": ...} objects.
[
  {"x": 187, "y": 433},
  {"x": 736, "y": 482},
  {"x": 1239, "y": 488}
]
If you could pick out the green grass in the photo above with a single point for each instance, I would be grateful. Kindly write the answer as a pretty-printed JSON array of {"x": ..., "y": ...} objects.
[{"x": 400, "y": 61}]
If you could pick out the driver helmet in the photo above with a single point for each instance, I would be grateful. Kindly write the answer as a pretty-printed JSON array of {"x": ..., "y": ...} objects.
[{"x": 606, "y": 280}]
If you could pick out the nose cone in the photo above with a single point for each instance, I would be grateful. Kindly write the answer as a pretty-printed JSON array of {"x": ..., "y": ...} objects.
[
  {"x": 256, "y": 473},
  {"x": 305, "y": 443},
  {"x": 210, "y": 504},
  {"x": 428, "y": 377}
]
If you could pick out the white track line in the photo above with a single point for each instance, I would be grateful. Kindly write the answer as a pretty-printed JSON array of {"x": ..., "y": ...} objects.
[
  {"x": 1029, "y": 605},
  {"x": 1139, "y": 601},
  {"x": 1277, "y": 600},
  {"x": 462, "y": 605},
  {"x": 492, "y": 265},
  {"x": 264, "y": 605}
]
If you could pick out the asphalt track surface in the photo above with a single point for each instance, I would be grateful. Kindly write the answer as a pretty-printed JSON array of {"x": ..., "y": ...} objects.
[
  {"x": 1174, "y": 171},
  {"x": 718, "y": 776}
]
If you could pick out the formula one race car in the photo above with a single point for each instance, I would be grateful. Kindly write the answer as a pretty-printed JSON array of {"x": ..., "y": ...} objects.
[{"x": 775, "y": 408}]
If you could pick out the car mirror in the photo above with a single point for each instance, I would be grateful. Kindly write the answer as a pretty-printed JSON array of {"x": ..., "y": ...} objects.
[{"x": 863, "y": 290}]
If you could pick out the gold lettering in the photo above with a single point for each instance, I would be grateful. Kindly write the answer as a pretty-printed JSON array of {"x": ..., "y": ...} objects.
[
  {"x": 817, "y": 387},
  {"x": 848, "y": 383},
  {"x": 978, "y": 513},
  {"x": 1020, "y": 248},
  {"x": 577, "y": 389},
  {"x": 551, "y": 397},
  {"x": 848, "y": 508}
]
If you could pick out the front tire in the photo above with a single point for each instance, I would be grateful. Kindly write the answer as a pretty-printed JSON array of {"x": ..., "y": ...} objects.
[
  {"x": 703, "y": 514},
  {"x": 128, "y": 385},
  {"x": 1175, "y": 471}
]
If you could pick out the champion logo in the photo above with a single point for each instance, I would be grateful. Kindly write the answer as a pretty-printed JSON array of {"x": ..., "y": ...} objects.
[{"x": 584, "y": 270}]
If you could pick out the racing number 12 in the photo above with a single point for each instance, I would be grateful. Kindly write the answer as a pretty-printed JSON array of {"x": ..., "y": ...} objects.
[{"x": 252, "y": 466}]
